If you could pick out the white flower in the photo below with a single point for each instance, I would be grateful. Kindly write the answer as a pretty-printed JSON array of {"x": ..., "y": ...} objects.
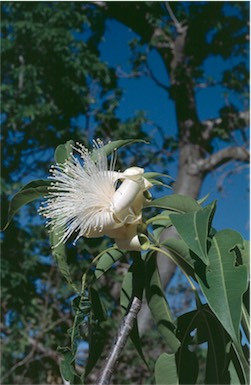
[{"x": 85, "y": 199}]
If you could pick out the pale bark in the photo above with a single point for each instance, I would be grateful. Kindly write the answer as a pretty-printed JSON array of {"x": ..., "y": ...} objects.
[
  {"x": 194, "y": 136},
  {"x": 126, "y": 326}
]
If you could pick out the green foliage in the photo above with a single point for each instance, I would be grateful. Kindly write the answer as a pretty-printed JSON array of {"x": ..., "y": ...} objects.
[
  {"x": 52, "y": 75},
  {"x": 158, "y": 305},
  {"x": 27, "y": 194},
  {"x": 217, "y": 264},
  {"x": 198, "y": 224},
  {"x": 219, "y": 278},
  {"x": 165, "y": 370}
]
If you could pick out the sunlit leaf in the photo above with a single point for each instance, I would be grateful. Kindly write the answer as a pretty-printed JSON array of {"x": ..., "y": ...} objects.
[
  {"x": 112, "y": 146},
  {"x": 151, "y": 177},
  {"x": 177, "y": 203},
  {"x": 165, "y": 370},
  {"x": 63, "y": 152},
  {"x": 225, "y": 282},
  {"x": 106, "y": 261},
  {"x": 194, "y": 228},
  {"x": 180, "y": 253}
]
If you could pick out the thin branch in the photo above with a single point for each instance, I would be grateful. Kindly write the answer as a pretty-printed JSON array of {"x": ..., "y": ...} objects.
[
  {"x": 223, "y": 156},
  {"x": 176, "y": 22},
  {"x": 210, "y": 124},
  {"x": 22, "y": 362},
  {"x": 120, "y": 73},
  {"x": 126, "y": 326},
  {"x": 151, "y": 75},
  {"x": 227, "y": 174}
]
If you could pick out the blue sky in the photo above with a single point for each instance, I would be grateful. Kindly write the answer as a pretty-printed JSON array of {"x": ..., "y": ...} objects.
[{"x": 144, "y": 94}]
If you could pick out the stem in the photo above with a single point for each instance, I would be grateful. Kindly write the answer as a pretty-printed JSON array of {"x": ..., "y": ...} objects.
[
  {"x": 158, "y": 217},
  {"x": 78, "y": 311},
  {"x": 126, "y": 326},
  {"x": 158, "y": 249}
]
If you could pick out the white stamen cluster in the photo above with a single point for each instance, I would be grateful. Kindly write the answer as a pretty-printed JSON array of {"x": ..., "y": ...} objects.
[{"x": 83, "y": 199}]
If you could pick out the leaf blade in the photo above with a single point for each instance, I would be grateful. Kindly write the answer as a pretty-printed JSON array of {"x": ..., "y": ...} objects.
[
  {"x": 175, "y": 202},
  {"x": 222, "y": 276},
  {"x": 158, "y": 304},
  {"x": 198, "y": 223},
  {"x": 30, "y": 192},
  {"x": 165, "y": 370}
]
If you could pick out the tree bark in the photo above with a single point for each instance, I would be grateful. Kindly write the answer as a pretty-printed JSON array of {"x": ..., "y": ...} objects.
[{"x": 194, "y": 136}]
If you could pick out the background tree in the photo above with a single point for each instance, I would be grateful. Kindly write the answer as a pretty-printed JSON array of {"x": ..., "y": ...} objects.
[
  {"x": 185, "y": 35},
  {"x": 51, "y": 75}
]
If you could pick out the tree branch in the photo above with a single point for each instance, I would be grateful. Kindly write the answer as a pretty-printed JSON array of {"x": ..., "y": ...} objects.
[
  {"x": 177, "y": 24},
  {"x": 151, "y": 75},
  {"x": 210, "y": 124},
  {"x": 126, "y": 326},
  {"x": 223, "y": 156}
]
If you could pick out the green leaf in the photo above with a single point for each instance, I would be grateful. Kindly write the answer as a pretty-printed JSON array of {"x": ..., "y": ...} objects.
[
  {"x": 66, "y": 367},
  {"x": 151, "y": 177},
  {"x": 112, "y": 146},
  {"x": 225, "y": 282},
  {"x": 97, "y": 333},
  {"x": 209, "y": 330},
  {"x": 234, "y": 379},
  {"x": 194, "y": 228},
  {"x": 157, "y": 303},
  {"x": 106, "y": 261},
  {"x": 29, "y": 193},
  {"x": 63, "y": 152},
  {"x": 59, "y": 253},
  {"x": 238, "y": 367},
  {"x": 165, "y": 370},
  {"x": 180, "y": 253},
  {"x": 187, "y": 366},
  {"x": 126, "y": 292},
  {"x": 132, "y": 279},
  {"x": 203, "y": 199},
  {"x": 246, "y": 254},
  {"x": 177, "y": 203}
]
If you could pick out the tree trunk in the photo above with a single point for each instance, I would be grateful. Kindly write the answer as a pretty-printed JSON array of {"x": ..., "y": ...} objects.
[{"x": 188, "y": 180}]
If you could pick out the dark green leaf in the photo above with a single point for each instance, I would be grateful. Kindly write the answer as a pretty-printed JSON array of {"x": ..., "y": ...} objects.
[
  {"x": 158, "y": 304},
  {"x": 29, "y": 193},
  {"x": 97, "y": 333},
  {"x": 165, "y": 370},
  {"x": 187, "y": 366}
]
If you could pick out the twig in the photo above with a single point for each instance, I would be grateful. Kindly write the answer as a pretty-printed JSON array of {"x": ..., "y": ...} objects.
[
  {"x": 177, "y": 24},
  {"x": 126, "y": 326}
]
